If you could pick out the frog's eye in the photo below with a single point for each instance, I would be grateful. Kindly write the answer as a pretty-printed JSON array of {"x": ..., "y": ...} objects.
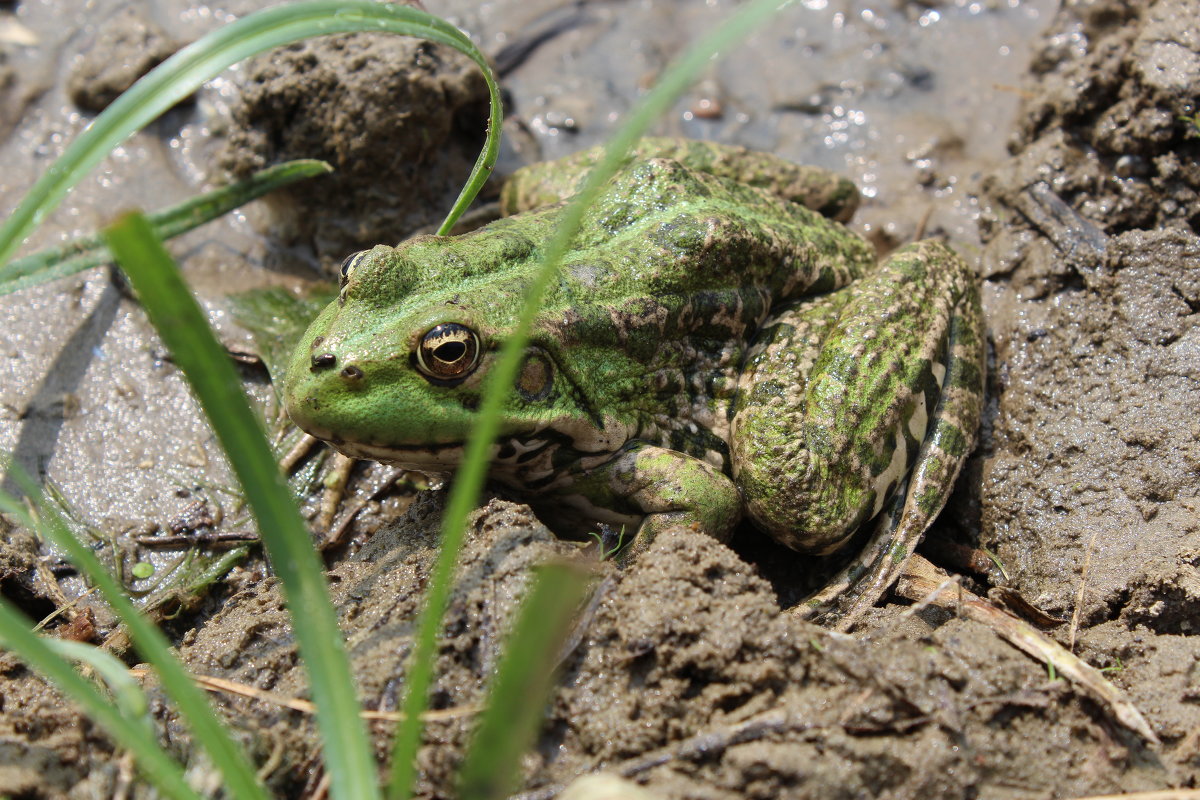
[
  {"x": 448, "y": 352},
  {"x": 351, "y": 261}
]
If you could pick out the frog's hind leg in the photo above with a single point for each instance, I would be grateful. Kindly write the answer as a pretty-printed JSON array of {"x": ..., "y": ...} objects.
[
  {"x": 898, "y": 531},
  {"x": 841, "y": 396}
]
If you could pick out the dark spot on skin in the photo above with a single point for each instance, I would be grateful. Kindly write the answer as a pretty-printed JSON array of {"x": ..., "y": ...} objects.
[
  {"x": 528, "y": 455},
  {"x": 535, "y": 379},
  {"x": 317, "y": 342},
  {"x": 352, "y": 373},
  {"x": 323, "y": 361}
]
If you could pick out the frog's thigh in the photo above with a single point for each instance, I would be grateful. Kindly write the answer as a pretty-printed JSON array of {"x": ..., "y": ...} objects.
[
  {"x": 669, "y": 488},
  {"x": 793, "y": 487},
  {"x": 838, "y": 394}
]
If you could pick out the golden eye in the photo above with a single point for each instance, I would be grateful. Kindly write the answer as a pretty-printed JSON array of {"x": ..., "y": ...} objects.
[
  {"x": 448, "y": 352},
  {"x": 349, "y": 263}
]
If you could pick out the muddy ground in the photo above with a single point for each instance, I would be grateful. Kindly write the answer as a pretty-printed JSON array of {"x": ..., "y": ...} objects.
[{"x": 686, "y": 676}]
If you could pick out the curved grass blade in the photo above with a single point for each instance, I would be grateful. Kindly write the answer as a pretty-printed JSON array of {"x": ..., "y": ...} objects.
[
  {"x": 469, "y": 479},
  {"x": 183, "y": 327},
  {"x": 89, "y": 251},
  {"x": 129, "y": 698},
  {"x": 204, "y": 59},
  {"x": 517, "y": 698},
  {"x": 39, "y": 653},
  {"x": 151, "y": 644}
]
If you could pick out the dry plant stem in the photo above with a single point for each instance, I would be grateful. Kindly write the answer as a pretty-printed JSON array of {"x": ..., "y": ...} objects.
[
  {"x": 60, "y": 607},
  {"x": 335, "y": 489},
  {"x": 299, "y": 450},
  {"x": 322, "y": 790},
  {"x": 273, "y": 761},
  {"x": 1083, "y": 574},
  {"x": 921, "y": 582},
  {"x": 219, "y": 685},
  {"x": 336, "y": 530},
  {"x": 338, "y": 527},
  {"x": 1011, "y": 600},
  {"x": 1159, "y": 794},
  {"x": 124, "y": 776}
]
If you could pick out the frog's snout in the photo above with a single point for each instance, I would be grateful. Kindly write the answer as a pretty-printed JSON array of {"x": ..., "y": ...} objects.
[{"x": 326, "y": 361}]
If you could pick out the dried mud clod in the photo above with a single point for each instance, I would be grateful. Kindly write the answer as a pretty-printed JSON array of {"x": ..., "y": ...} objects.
[
  {"x": 125, "y": 47},
  {"x": 400, "y": 120},
  {"x": 1092, "y": 257},
  {"x": 1098, "y": 339},
  {"x": 686, "y": 677},
  {"x": 692, "y": 682},
  {"x": 379, "y": 594},
  {"x": 1108, "y": 126}
]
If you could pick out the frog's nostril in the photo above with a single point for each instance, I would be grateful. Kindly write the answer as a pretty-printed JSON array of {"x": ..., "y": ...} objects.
[
  {"x": 323, "y": 361},
  {"x": 352, "y": 373}
]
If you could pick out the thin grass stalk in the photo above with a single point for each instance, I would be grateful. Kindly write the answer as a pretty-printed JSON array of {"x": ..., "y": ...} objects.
[
  {"x": 89, "y": 251},
  {"x": 517, "y": 697},
  {"x": 184, "y": 329},
  {"x": 207, "y": 57},
  {"x": 156, "y": 765},
  {"x": 470, "y": 476},
  {"x": 151, "y": 644}
]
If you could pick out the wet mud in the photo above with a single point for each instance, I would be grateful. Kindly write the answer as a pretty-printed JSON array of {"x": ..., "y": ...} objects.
[{"x": 687, "y": 674}]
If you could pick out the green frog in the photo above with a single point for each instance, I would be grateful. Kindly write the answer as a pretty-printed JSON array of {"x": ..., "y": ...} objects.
[{"x": 717, "y": 345}]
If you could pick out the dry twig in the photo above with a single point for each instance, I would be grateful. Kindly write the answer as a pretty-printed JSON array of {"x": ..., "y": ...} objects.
[{"x": 921, "y": 582}]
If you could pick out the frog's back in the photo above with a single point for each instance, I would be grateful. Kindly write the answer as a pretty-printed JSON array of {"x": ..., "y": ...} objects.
[
  {"x": 669, "y": 228},
  {"x": 825, "y": 192}
]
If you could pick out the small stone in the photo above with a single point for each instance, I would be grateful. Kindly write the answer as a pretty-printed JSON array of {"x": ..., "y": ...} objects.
[{"x": 124, "y": 49}]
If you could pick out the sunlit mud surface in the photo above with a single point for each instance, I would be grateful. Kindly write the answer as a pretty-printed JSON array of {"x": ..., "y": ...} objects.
[{"x": 685, "y": 676}]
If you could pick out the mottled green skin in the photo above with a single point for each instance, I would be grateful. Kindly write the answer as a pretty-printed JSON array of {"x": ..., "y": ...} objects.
[{"x": 697, "y": 358}]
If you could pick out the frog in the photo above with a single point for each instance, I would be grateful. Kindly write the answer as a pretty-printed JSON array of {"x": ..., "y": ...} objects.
[{"x": 716, "y": 346}]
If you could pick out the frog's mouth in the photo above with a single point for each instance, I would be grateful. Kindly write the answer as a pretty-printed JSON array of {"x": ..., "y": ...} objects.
[
  {"x": 516, "y": 459},
  {"x": 428, "y": 458}
]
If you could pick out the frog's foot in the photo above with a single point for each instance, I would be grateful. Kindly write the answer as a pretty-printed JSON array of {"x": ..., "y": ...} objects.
[{"x": 666, "y": 488}]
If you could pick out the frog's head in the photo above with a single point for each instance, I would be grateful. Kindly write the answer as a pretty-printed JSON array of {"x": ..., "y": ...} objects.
[{"x": 395, "y": 368}]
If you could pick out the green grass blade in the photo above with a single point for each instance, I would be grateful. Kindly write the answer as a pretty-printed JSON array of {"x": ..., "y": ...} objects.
[
  {"x": 149, "y": 640},
  {"x": 469, "y": 478},
  {"x": 129, "y": 698},
  {"x": 89, "y": 251},
  {"x": 184, "y": 329},
  {"x": 17, "y": 636},
  {"x": 517, "y": 698},
  {"x": 204, "y": 59}
]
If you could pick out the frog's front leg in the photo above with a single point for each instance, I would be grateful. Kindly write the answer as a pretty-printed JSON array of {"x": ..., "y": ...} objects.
[{"x": 665, "y": 488}]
